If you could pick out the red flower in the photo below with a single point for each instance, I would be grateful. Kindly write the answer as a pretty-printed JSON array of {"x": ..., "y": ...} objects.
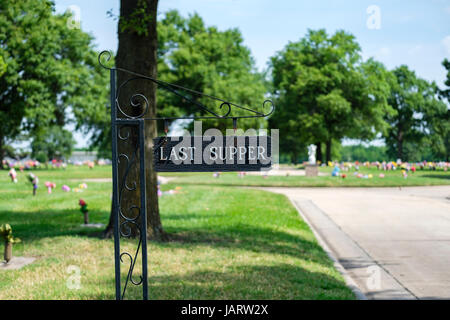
[{"x": 82, "y": 202}]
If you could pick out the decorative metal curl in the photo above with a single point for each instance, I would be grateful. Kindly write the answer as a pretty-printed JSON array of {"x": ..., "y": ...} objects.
[
  {"x": 125, "y": 228},
  {"x": 131, "y": 268},
  {"x": 119, "y": 133},
  {"x": 131, "y": 218},
  {"x": 272, "y": 107},
  {"x": 108, "y": 57},
  {"x": 127, "y": 171},
  {"x": 134, "y": 101}
]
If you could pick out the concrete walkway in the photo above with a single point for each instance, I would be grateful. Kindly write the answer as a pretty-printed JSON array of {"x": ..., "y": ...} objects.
[{"x": 393, "y": 242}]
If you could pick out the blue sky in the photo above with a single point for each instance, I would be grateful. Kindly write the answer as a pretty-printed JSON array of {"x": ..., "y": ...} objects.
[{"x": 415, "y": 33}]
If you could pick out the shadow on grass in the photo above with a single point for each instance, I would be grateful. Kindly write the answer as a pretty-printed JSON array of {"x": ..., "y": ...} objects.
[
  {"x": 435, "y": 176},
  {"x": 280, "y": 281},
  {"x": 55, "y": 223},
  {"x": 249, "y": 238},
  {"x": 52, "y": 223}
]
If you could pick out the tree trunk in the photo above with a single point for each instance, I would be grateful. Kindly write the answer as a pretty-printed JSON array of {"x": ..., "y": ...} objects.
[
  {"x": 294, "y": 158},
  {"x": 328, "y": 151},
  {"x": 137, "y": 52},
  {"x": 2, "y": 153},
  {"x": 400, "y": 145},
  {"x": 109, "y": 231},
  {"x": 319, "y": 156},
  {"x": 400, "y": 150}
]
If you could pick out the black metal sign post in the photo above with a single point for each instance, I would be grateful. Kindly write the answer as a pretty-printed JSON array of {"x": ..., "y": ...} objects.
[
  {"x": 118, "y": 214},
  {"x": 242, "y": 153}
]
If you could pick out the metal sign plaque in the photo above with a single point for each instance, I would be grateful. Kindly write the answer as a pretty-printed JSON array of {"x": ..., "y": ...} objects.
[{"x": 212, "y": 153}]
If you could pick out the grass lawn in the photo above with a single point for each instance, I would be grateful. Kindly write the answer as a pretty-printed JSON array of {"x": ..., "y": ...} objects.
[
  {"x": 232, "y": 244},
  {"x": 391, "y": 179}
]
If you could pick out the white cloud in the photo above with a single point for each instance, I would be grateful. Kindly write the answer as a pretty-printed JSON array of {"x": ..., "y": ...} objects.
[{"x": 446, "y": 43}]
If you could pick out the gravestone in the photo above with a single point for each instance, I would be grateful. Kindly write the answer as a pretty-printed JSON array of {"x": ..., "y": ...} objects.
[{"x": 311, "y": 169}]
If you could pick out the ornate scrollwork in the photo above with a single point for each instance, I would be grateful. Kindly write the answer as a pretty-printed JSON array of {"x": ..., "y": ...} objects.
[
  {"x": 136, "y": 104},
  {"x": 108, "y": 56},
  {"x": 122, "y": 137},
  {"x": 131, "y": 269},
  {"x": 127, "y": 221},
  {"x": 128, "y": 167},
  {"x": 129, "y": 217},
  {"x": 272, "y": 107}
]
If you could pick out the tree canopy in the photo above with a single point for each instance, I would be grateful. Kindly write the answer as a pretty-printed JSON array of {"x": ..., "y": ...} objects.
[
  {"x": 418, "y": 117},
  {"x": 52, "y": 71},
  {"x": 440, "y": 138},
  {"x": 325, "y": 92},
  {"x": 210, "y": 61},
  {"x": 2, "y": 66},
  {"x": 55, "y": 143}
]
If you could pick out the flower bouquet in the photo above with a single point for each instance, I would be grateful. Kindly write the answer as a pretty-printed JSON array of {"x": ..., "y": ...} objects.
[
  {"x": 34, "y": 181},
  {"x": 50, "y": 185},
  {"x": 84, "y": 210}
]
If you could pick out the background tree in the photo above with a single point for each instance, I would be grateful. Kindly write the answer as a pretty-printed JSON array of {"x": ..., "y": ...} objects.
[
  {"x": 210, "y": 61},
  {"x": 2, "y": 65},
  {"x": 437, "y": 122},
  {"x": 446, "y": 92},
  {"x": 55, "y": 143},
  {"x": 363, "y": 153},
  {"x": 418, "y": 116},
  {"x": 51, "y": 70},
  {"x": 441, "y": 138},
  {"x": 324, "y": 91}
]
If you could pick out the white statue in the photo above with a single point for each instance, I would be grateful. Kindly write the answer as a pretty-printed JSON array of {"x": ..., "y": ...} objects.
[{"x": 312, "y": 154}]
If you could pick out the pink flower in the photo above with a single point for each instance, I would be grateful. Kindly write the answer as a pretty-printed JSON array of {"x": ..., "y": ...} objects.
[{"x": 50, "y": 186}]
